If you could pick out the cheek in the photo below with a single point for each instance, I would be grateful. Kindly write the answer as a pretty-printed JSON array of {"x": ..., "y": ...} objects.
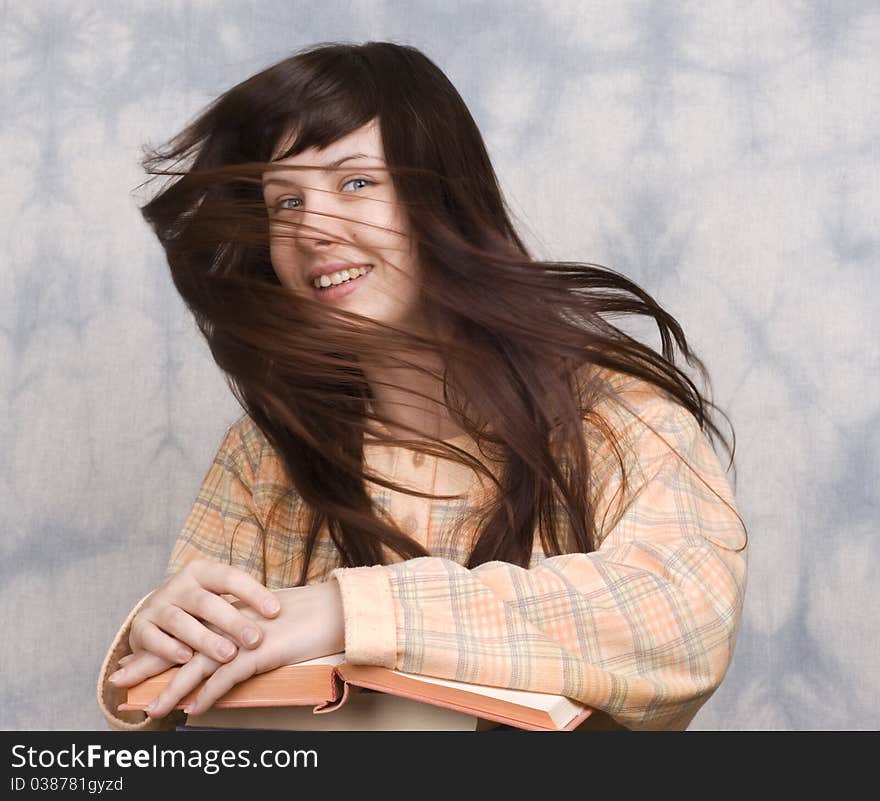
[
  {"x": 381, "y": 228},
  {"x": 282, "y": 264},
  {"x": 276, "y": 251}
]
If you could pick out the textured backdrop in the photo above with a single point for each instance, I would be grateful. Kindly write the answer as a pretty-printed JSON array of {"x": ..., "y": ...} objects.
[{"x": 722, "y": 154}]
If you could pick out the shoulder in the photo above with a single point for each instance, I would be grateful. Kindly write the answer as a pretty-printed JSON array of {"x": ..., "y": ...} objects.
[
  {"x": 246, "y": 448},
  {"x": 635, "y": 427},
  {"x": 247, "y": 434},
  {"x": 633, "y": 407}
]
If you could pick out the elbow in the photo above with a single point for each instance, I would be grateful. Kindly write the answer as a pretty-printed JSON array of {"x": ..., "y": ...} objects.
[
  {"x": 716, "y": 595},
  {"x": 719, "y": 613},
  {"x": 109, "y": 698}
]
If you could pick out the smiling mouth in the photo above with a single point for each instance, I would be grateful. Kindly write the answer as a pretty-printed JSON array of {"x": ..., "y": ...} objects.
[
  {"x": 335, "y": 293},
  {"x": 325, "y": 282}
]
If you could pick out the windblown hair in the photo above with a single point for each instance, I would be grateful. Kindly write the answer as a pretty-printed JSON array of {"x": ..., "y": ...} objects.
[{"x": 522, "y": 341}]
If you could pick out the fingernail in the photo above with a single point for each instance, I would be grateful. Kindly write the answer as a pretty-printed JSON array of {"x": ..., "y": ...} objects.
[
  {"x": 114, "y": 677},
  {"x": 226, "y": 650},
  {"x": 152, "y": 705},
  {"x": 191, "y": 707},
  {"x": 184, "y": 654},
  {"x": 271, "y": 607},
  {"x": 250, "y": 636}
]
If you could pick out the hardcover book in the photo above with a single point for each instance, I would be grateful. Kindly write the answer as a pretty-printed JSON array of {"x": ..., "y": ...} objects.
[{"x": 367, "y": 697}]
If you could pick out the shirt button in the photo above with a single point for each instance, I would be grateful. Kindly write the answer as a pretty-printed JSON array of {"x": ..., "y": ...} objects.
[
  {"x": 418, "y": 459},
  {"x": 409, "y": 524}
]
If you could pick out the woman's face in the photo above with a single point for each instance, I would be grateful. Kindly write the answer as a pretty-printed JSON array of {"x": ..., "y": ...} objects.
[{"x": 325, "y": 221}]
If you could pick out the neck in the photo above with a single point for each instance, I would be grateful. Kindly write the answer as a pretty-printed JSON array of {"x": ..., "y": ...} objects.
[{"x": 402, "y": 403}]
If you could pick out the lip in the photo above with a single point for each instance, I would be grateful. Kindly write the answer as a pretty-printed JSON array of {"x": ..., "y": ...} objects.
[{"x": 335, "y": 293}]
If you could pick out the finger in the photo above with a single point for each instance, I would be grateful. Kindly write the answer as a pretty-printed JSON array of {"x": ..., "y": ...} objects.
[
  {"x": 181, "y": 685},
  {"x": 184, "y": 655},
  {"x": 222, "y": 681},
  {"x": 174, "y": 634},
  {"x": 180, "y": 624},
  {"x": 230, "y": 579},
  {"x": 212, "y": 609},
  {"x": 129, "y": 659},
  {"x": 144, "y": 665}
]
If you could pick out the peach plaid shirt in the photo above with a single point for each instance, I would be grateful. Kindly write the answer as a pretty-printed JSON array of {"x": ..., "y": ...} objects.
[{"x": 642, "y": 629}]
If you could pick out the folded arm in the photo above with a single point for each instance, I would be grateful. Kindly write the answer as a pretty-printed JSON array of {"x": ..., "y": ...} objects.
[{"x": 642, "y": 628}]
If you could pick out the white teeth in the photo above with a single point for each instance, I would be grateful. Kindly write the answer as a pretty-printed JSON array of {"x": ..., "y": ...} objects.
[{"x": 341, "y": 277}]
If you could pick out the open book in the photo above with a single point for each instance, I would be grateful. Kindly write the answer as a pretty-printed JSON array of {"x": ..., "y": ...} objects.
[{"x": 377, "y": 698}]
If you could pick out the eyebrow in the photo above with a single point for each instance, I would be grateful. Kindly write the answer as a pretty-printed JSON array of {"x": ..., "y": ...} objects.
[{"x": 331, "y": 165}]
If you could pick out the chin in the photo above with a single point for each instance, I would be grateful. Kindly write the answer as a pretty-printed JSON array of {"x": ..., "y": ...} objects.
[{"x": 381, "y": 313}]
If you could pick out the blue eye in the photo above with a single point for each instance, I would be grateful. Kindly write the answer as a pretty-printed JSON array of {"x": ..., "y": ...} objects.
[
  {"x": 281, "y": 203},
  {"x": 362, "y": 180}
]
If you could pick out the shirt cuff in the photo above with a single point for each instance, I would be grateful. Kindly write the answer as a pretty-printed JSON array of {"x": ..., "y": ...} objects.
[
  {"x": 370, "y": 616},
  {"x": 109, "y": 697}
]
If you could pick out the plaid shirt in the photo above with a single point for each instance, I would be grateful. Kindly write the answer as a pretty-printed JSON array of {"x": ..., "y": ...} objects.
[{"x": 643, "y": 628}]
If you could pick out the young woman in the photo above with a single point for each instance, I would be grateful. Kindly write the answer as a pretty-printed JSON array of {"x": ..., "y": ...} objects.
[{"x": 450, "y": 462}]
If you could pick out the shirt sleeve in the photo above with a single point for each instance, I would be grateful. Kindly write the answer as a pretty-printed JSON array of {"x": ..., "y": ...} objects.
[
  {"x": 223, "y": 524},
  {"x": 109, "y": 697},
  {"x": 223, "y": 507},
  {"x": 642, "y": 628}
]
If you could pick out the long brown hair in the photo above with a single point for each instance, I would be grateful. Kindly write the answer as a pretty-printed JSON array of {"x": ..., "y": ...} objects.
[{"x": 522, "y": 341}]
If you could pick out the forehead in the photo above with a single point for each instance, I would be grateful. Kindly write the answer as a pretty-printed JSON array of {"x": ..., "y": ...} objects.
[{"x": 364, "y": 140}]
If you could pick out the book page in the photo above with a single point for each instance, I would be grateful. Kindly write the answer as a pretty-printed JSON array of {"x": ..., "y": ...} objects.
[
  {"x": 330, "y": 659},
  {"x": 561, "y": 709}
]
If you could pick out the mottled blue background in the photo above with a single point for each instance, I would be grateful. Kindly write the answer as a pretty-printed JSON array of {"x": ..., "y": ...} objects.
[{"x": 722, "y": 154}]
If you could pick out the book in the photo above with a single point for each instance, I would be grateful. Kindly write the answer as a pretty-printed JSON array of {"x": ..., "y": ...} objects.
[
  {"x": 367, "y": 697},
  {"x": 363, "y": 710}
]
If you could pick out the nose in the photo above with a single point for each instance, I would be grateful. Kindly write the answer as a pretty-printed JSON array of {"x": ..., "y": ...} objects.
[{"x": 321, "y": 222}]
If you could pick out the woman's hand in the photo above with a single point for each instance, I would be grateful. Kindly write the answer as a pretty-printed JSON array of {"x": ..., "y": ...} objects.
[
  {"x": 310, "y": 624},
  {"x": 177, "y": 619}
]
